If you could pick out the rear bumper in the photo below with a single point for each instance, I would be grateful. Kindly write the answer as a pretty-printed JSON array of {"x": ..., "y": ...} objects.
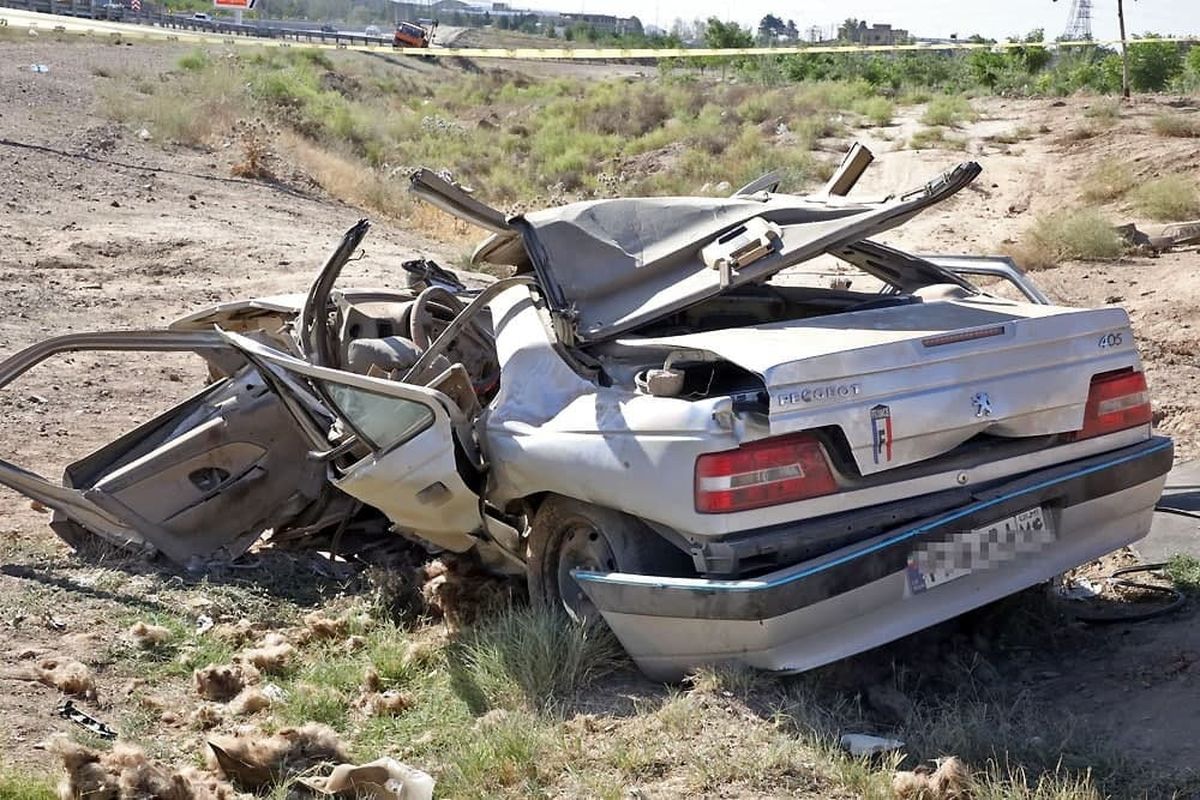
[{"x": 855, "y": 598}]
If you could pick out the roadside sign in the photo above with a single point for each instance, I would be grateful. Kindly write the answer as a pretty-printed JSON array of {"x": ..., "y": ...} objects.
[{"x": 237, "y": 5}]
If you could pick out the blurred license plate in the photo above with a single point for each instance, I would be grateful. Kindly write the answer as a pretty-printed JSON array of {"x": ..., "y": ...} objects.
[{"x": 938, "y": 563}]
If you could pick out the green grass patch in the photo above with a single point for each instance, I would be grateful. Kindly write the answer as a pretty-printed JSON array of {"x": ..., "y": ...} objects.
[
  {"x": 18, "y": 784},
  {"x": 1184, "y": 570},
  {"x": 1168, "y": 199},
  {"x": 1107, "y": 181},
  {"x": 949, "y": 111},
  {"x": 531, "y": 658}
]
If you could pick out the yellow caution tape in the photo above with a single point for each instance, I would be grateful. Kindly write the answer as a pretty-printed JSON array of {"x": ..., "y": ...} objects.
[{"x": 37, "y": 21}]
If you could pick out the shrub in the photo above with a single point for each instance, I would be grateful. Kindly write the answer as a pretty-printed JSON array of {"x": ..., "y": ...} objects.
[
  {"x": 878, "y": 110},
  {"x": 195, "y": 61},
  {"x": 1105, "y": 111},
  {"x": 1081, "y": 234},
  {"x": 948, "y": 110},
  {"x": 1167, "y": 199}
]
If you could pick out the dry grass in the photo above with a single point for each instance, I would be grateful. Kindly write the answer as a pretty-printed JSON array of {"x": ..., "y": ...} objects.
[
  {"x": 1107, "y": 181},
  {"x": 350, "y": 180},
  {"x": 1177, "y": 125},
  {"x": 936, "y": 139},
  {"x": 1168, "y": 199},
  {"x": 1105, "y": 112},
  {"x": 1081, "y": 234}
]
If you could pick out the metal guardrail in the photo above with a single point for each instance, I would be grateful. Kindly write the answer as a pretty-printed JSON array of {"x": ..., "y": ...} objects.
[
  {"x": 95, "y": 19},
  {"x": 151, "y": 14}
]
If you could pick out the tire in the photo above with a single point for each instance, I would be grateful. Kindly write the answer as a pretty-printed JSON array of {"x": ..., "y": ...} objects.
[{"x": 566, "y": 534}]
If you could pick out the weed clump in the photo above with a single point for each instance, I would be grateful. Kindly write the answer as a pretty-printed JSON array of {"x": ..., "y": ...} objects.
[
  {"x": 948, "y": 111},
  {"x": 1177, "y": 126},
  {"x": 1168, "y": 199},
  {"x": 533, "y": 658},
  {"x": 1067, "y": 235}
]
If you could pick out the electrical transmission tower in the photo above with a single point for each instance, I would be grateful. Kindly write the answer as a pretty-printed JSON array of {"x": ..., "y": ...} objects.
[{"x": 1079, "y": 24}]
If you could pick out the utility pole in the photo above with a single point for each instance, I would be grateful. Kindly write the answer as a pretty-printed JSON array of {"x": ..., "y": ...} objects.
[
  {"x": 1079, "y": 26},
  {"x": 1124, "y": 50}
]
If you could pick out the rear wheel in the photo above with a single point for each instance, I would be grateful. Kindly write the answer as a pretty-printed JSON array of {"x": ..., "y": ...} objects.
[{"x": 569, "y": 534}]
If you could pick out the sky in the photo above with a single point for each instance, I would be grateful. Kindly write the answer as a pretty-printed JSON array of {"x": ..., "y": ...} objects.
[{"x": 934, "y": 18}]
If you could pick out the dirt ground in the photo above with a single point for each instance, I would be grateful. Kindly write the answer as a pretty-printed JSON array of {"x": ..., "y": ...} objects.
[{"x": 101, "y": 230}]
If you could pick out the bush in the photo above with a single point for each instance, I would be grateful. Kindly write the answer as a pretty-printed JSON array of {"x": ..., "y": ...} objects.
[
  {"x": 1177, "y": 125},
  {"x": 936, "y": 138},
  {"x": 1168, "y": 199},
  {"x": 877, "y": 110},
  {"x": 1153, "y": 65},
  {"x": 1067, "y": 235},
  {"x": 195, "y": 61},
  {"x": 949, "y": 110}
]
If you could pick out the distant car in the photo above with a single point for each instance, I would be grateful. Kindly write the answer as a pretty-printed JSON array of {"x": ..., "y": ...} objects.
[
  {"x": 328, "y": 29},
  {"x": 372, "y": 30},
  {"x": 199, "y": 17},
  {"x": 114, "y": 11}
]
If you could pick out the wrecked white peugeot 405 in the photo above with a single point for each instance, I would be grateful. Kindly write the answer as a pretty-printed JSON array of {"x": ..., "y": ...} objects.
[{"x": 663, "y": 420}]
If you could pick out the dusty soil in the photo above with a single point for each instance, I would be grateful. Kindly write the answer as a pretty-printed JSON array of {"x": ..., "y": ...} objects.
[{"x": 101, "y": 230}]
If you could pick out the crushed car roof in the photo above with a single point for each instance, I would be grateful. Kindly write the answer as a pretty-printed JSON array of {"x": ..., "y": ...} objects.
[{"x": 608, "y": 266}]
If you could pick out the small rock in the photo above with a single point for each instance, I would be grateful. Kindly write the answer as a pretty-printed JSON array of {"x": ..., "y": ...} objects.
[
  {"x": 115, "y": 204},
  {"x": 144, "y": 135},
  {"x": 723, "y": 186}
]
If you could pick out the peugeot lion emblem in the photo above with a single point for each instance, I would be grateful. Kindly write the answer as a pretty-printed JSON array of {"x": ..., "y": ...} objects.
[{"x": 983, "y": 404}]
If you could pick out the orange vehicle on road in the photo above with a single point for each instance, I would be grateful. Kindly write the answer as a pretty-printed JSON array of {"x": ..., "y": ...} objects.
[{"x": 410, "y": 34}]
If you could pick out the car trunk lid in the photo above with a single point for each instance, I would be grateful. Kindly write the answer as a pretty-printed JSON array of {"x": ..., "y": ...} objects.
[{"x": 908, "y": 383}]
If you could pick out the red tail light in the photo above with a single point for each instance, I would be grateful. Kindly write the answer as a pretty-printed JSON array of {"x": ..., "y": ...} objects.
[
  {"x": 1117, "y": 401},
  {"x": 763, "y": 473}
]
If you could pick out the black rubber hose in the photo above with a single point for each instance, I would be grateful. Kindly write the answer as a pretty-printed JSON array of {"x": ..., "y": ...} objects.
[{"x": 1177, "y": 597}]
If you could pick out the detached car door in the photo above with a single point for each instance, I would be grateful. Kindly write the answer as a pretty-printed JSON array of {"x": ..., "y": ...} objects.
[
  {"x": 200, "y": 481},
  {"x": 419, "y": 453}
]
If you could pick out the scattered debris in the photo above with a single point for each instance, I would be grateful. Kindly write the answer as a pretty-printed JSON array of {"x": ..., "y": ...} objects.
[
  {"x": 204, "y": 624},
  {"x": 249, "y": 701},
  {"x": 385, "y": 704},
  {"x": 861, "y": 744},
  {"x": 144, "y": 135},
  {"x": 67, "y": 710},
  {"x": 147, "y": 636},
  {"x": 318, "y": 626},
  {"x": 125, "y": 773},
  {"x": 207, "y": 716},
  {"x": 68, "y": 676},
  {"x": 371, "y": 680},
  {"x": 383, "y": 779},
  {"x": 950, "y": 781},
  {"x": 224, "y": 681},
  {"x": 38, "y": 68},
  {"x": 274, "y": 692},
  {"x": 460, "y": 591},
  {"x": 272, "y": 654},
  {"x": 252, "y": 759}
]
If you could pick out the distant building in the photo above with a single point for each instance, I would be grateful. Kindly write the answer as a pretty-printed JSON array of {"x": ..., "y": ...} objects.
[
  {"x": 857, "y": 32},
  {"x": 604, "y": 23}
]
